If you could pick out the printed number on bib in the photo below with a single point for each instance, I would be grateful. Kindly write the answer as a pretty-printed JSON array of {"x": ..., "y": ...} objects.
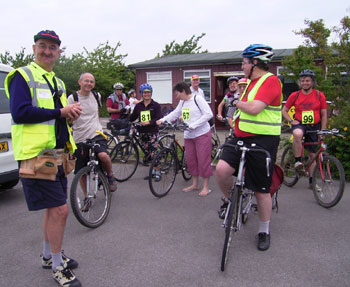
[
  {"x": 307, "y": 117},
  {"x": 145, "y": 116},
  {"x": 185, "y": 114}
]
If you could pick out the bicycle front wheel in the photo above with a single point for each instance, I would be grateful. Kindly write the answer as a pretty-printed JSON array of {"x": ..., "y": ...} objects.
[
  {"x": 291, "y": 176},
  {"x": 229, "y": 227},
  {"x": 162, "y": 172},
  {"x": 90, "y": 197},
  {"x": 165, "y": 141},
  {"x": 125, "y": 159},
  {"x": 328, "y": 181},
  {"x": 185, "y": 172}
]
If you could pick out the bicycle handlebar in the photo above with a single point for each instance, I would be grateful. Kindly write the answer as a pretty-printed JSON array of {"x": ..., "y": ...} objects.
[
  {"x": 175, "y": 126},
  {"x": 240, "y": 146},
  {"x": 326, "y": 132}
]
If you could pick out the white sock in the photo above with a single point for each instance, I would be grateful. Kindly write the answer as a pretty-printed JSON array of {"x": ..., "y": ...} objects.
[
  {"x": 264, "y": 227},
  {"x": 56, "y": 260},
  {"x": 46, "y": 250}
]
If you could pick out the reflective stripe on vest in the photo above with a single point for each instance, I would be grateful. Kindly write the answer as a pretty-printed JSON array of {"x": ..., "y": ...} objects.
[
  {"x": 268, "y": 121},
  {"x": 30, "y": 139}
]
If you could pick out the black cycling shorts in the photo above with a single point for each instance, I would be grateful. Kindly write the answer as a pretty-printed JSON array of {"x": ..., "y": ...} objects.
[
  {"x": 255, "y": 175},
  {"x": 312, "y": 137},
  {"x": 82, "y": 152}
]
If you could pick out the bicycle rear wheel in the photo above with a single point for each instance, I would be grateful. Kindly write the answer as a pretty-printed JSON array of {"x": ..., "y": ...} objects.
[
  {"x": 328, "y": 181},
  {"x": 291, "y": 176},
  {"x": 229, "y": 228},
  {"x": 111, "y": 142},
  {"x": 125, "y": 159},
  {"x": 90, "y": 197},
  {"x": 162, "y": 172}
]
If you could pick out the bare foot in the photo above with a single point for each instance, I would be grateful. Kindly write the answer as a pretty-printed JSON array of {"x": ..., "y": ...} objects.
[
  {"x": 190, "y": 188},
  {"x": 204, "y": 192}
]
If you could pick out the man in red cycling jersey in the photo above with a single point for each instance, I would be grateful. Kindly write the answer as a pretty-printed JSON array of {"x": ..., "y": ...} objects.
[
  {"x": 259, "y": 123},
  {"x": 310, "y": 115}
]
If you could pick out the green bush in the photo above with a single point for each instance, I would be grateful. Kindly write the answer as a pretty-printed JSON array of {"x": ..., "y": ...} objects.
[{"x": 338, "y": 146}]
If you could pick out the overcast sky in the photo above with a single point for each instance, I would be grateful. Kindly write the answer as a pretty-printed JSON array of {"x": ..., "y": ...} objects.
[{"x": 144, "y": 27}]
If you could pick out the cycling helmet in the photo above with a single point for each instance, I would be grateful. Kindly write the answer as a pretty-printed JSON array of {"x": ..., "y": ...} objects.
[
  {"x": 146, "y": 87},
  {"x": 307, "y": 73},
  {"x": 242, "y": 81},
  {"x": 233, "y": 78},
  {"x": 258, "y": 51},
  {"x": 131, "y": 91},
  {"x": 118, "y": 86}
]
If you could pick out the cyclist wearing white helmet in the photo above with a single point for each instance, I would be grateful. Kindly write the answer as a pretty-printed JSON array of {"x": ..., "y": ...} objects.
[
  {"x": 117, "y": 103},
  {"x": 259, "y": 122},
  {"x": 310, "y": 115}
]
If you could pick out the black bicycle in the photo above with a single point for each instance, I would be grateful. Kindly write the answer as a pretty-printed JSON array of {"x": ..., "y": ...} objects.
[
  {"x": 90, "y": 197},
  {"x": 126, "y": 154},
  {"x": 240, "y": 201},
  {"x": 167, "y": 162}
]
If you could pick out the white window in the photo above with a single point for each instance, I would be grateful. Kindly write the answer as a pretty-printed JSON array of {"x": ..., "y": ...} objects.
[
  {"x": 161, "y": 83},
  {"x": 204, "y": 76}
]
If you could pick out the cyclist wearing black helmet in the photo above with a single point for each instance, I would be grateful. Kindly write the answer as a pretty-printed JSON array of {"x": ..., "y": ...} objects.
[
  {"x": 228, "y": 98},
  {"x": 310, "y": 114},
  {"x": 259, "y": 122}
]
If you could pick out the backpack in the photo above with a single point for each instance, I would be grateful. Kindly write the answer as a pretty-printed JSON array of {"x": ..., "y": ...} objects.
[
  {"x": 115, "y": 98},
  {"x": 76, "y": 98},
  {"x": 317, "y": 94}
]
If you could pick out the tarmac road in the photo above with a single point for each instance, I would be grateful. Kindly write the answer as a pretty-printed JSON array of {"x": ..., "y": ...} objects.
[{"x": 178, "y": 240}]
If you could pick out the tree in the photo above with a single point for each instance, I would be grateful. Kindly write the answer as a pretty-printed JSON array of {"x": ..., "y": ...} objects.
[
  {"x": 20, "y": 59},
  {"x": 189, "y": 46},
  {"x": 331, "y": 62},
  {"x": 103, "y": 62}
]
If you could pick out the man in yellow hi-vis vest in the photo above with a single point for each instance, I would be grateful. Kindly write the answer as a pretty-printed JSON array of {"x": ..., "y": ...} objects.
[
  {"x": 259, "y": 123},
  {"x": 41, "y": 141}
]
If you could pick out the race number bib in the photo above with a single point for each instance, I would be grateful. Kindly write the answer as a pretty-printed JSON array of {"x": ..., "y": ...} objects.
[
  {"x": 185, "y": 114},
  {"x": 145, "y": 116},
  {"x": 307, "y": 117}
]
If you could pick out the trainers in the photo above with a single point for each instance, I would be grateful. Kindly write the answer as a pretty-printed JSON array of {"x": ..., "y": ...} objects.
[
  {"x": 65, "y": 277},
  {"x": 223, "y": 208},
  {"x": 298, "y": 165},
  {"x": 317, "y": 187},
  {"x": 157, "y": 176},
  {"x": 47, "y": 263},
  {"x": 112, "y": 183},
  {"x": 87, "y": 204},
  {"x": 263, "y": 241}
]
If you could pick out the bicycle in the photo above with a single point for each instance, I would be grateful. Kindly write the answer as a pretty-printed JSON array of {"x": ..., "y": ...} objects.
[
  {"x": 328, "y": 179},
  {"x": 126, "y": 153},
  {"x": 90, "y": 197},
  {"x": 168, "y": 161},
  {"x": 240, "y": 202}
]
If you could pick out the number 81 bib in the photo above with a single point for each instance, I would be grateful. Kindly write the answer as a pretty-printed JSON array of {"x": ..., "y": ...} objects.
[{"x": 145, "y": 116}]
